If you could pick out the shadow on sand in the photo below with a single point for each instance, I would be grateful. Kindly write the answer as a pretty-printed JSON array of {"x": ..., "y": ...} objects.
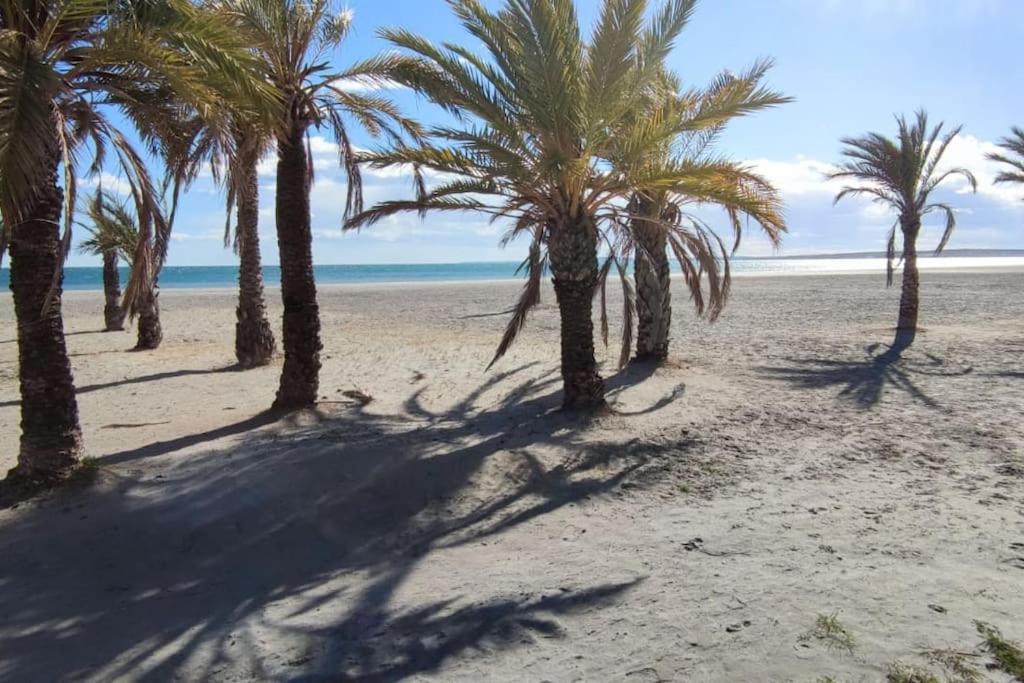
[
  {"x": 141, "y": 379},
  {"x": 864, "y": 382},
  {"x": 278, "y": 555}
]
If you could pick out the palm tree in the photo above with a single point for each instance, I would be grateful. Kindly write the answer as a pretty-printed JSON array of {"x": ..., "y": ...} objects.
[
  {"x": 112, "y": 236},
  {"x": 660, "y": 222},
  {"x": 117, "y": 231},
  {"x": 146, "y": 252},
  {"x": 538, "y": 118},
  {"x": 254, "y": 337},
  {"x": 295, "y": 38},
  {"x": 1014, "y": 146},
  {"x": 902, "y": 174},
  {"x": 64, "y": 63}
]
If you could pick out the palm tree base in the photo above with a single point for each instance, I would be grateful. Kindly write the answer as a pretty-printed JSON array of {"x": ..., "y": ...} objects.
[
  {"x": 254, "y": 343},
  {"x": 113, "y": 319},
  {"x": 657, "y": 357}
]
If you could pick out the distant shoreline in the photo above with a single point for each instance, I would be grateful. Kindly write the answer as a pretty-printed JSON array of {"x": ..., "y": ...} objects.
[{"x": 876, "y": 271}]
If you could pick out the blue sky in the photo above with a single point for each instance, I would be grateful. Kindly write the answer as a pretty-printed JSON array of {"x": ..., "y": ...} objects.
[{"x": 850, "y": 64}]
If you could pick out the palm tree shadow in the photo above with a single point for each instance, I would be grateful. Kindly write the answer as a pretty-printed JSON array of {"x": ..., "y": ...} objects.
[
  {"x": 152, "y": 575},
  {"x": 141, "y": 379},
  {"x": 864, "y": 382}
]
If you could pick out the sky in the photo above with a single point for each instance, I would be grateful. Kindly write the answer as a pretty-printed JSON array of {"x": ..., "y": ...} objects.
[{"x": 850, "y": 65}]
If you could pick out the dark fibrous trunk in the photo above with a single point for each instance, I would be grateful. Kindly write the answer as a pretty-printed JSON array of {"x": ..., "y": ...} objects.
[
  {"x": 150, "y": 332},
  {"x": 254, "y": 338},
  {"x": 909, "y": 296},
  {"x": 653, "y": 285},
  {"x": 573, "y": 253},
  {"x": 300, "y": 375},
  {"x": 50, "y": 434},
  {"x": 113, "y": 314}
]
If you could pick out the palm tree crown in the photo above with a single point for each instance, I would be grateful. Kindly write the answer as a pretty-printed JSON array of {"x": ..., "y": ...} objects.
[
  {"x": 902, "y": 174},
  {"x": 295, "y": 39},
  {"x": 1014, "y": 158},
  {"x": 112, "y": 228}
]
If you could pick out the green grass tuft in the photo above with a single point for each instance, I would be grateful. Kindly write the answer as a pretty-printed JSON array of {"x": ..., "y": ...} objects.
[
  {"x": 831, "y": 632},
  {"x": 900, "y": 672},
  {"x": 1008, "y": 656}
]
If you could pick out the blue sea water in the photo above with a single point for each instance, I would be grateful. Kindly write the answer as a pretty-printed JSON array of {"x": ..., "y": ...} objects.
[{"x": 215, "y": 277}]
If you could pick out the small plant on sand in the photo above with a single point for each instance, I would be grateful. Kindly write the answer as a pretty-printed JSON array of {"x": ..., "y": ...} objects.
[
  {"x": 955, "y": 663},
  {"x": 831, "y": 632},
  {"x": 1008, "y": 656},
  {"x": 958, "y": 668},
  {"x": 900, "y": 672}
]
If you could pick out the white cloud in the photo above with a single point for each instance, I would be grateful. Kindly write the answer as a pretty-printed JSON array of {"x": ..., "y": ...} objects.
[
  {"x": 360, "y": 86},
  {"x": 969, "y": 152},
  {"x": 202, "y": 237},
  {"x": 800, "y": 176},
  {"x": 108, "y": 181},
  {"x": 805, "y": 176}
]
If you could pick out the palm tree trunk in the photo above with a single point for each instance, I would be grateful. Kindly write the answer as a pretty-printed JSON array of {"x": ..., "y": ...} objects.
[
  {"x": 51, "y": 437},
  {"x": 911, "y": 279},
  {"x": 113, "y": 316},
  {"x": 653, "y": 286},
  {"x": 300, "y": 376},
  {"x": 573, "y": 253},
  {"x": 150, "y": 331},
  {"x": 254, "y": 338}
]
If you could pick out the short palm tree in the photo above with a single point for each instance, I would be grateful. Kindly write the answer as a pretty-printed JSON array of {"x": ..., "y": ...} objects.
[
  {"x": 63, "y": 65},
  {"x": 1014, "y": 157},
  {"x": 660, "y": 223},
  {"x": 540, "y": 111},
  {"x": 902, "y": 174},
  {"x": 113, "y": 236},
  {"x": 142, "y": 296},
  {"x": 295, "y": 40}
]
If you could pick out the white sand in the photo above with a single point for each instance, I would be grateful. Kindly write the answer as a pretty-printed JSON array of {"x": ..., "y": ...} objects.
[{"x": 457, "y": 528}]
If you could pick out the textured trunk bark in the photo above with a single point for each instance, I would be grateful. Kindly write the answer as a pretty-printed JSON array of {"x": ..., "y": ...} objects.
[
  {"x": 911, "y": 280},
  {"x": 50, "y": 434},
  {"x": 653, "y": 285},
  {"x": 573, "y": 253},
  {"x": 254, "y": 338},
  {"x": 300, "y": 376},
  {"x": 113, "y": 316},
  {"x": 150, "y": 332}
]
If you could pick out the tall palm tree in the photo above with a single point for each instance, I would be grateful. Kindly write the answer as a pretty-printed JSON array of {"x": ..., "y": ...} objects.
[
  {"x": 902, "y": 174},
  {"x": 539, "y": 113},
  {"x": 660, "y": 222},
  {"x": 63, "y": 63},
  {"x": 295, "y": 39},
  {"x": 1014, "y": 157},
  {"x": 112, "y": 236},
  {"x": 254, "y": 336}
]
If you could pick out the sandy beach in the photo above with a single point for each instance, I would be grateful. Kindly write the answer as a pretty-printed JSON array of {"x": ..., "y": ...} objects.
[{"x": 459, "y": 528}]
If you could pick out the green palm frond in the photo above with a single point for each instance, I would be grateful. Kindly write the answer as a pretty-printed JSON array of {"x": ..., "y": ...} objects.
[
  {"x": 1013, "y": 158},
  {"x": 111, "y": 227}
]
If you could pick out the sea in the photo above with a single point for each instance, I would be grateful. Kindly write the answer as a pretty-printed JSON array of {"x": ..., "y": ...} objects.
[{"x": 215, "y": 277}]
